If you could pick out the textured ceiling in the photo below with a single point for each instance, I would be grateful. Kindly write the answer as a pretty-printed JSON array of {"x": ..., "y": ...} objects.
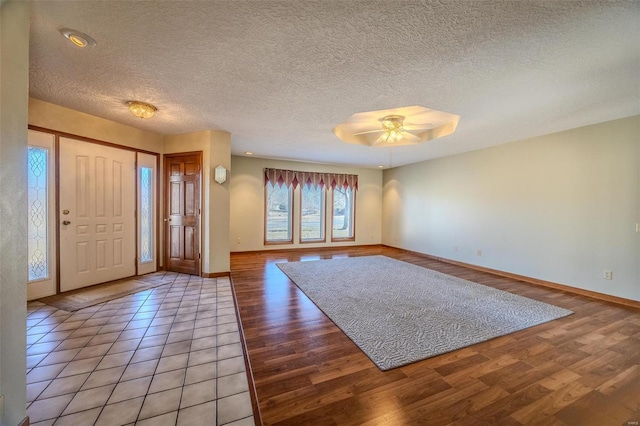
[{"x": 279, "y": 75}]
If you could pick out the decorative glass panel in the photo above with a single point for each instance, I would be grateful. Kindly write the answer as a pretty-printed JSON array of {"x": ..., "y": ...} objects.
[
  {"x": 38, "y": 230},
  {"x": 312, "y": 213},
  {"x": 146, "y": 214},
  {"x": 343, "y": 213},
  {"x": 279, "y": 213}
]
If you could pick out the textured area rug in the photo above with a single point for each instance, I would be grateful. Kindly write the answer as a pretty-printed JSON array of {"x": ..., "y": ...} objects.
[
  {"x": 399, "y": 313},
  {"x": 75, "y": 300}
]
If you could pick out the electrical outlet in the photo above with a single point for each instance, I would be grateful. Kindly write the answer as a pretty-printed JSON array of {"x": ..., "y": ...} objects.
[
  {"x": 607, "y": 274},
  {"x": 455, "y": 248},
  {"x": 238, "y": 241},
  {"x": 479, "y": 252}
]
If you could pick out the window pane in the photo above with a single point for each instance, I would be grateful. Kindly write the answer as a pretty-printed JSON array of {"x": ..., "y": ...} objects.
[
  {"x": 38, "y": 209},
  {"x": 312, "y": 214},
  {"x": 343, "y": 203},
  {"x": 146, "y": 214},
  {"x": 279, "y": 213}
]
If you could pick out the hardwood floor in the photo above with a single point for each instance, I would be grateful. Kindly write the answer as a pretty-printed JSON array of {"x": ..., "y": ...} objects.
[{"x": 580, "y": 370}]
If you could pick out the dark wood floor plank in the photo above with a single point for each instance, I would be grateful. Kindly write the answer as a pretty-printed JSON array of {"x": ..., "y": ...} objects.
[{"x": 582, "y": 369}]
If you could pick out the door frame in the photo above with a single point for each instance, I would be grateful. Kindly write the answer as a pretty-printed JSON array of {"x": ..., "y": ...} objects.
[
  {"x": 158, "y": 192},
  {"x": 165, "y": 207}
]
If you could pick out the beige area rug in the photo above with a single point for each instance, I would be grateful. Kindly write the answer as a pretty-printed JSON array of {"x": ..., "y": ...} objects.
[
  {"x": 399, "y": 313},
  {"x": 75, "y": 300}
]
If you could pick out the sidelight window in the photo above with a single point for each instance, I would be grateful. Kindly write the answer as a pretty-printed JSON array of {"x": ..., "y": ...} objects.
[
  {"x": 38, "y": 213},
  {"x": 146, "y": 214}
]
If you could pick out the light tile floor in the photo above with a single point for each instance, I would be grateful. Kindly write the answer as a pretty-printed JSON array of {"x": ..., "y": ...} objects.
[{"x": 170, "y": 355}]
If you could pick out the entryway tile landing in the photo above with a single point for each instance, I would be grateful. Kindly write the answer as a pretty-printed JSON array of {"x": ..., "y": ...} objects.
[{"x": 169, "y": 355}]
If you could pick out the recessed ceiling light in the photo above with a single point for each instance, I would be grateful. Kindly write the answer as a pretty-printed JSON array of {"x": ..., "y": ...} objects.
[
  {"x": 77, "y": 38},
  {"x": 248, "y": 153},
  {"x": 381, "y": 167}
]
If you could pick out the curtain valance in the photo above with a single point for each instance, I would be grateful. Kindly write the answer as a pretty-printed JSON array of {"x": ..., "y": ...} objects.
[{"x": 311, "y": 179}]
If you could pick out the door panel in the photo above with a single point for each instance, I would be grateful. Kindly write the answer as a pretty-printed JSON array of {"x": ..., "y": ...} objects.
[
  {"x": 182, "y": 213},
  {"x": 97, "y": 214}
]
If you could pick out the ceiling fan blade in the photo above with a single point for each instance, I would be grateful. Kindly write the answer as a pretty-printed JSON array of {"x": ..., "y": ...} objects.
[
  {"x": 410, "y": 137},
  {"x": 368, "y": 131},
  {"x": 378, "y": 141},
  {"x": 425, "y": 126}
]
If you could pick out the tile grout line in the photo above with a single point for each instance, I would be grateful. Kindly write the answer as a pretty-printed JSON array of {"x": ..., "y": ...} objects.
[
  {"x": 186, "y": 286},
  {"x": 189, "y": 357},
  {"x": 129, "y": 363},
  {"x": 189, "y": 290},
  {"x": 124, "y": 303},
  {"x": 94, "y": 370},
  {"x": 69, "y": 362}
]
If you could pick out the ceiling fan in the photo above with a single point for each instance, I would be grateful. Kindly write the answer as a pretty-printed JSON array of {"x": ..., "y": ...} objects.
[
  {"x": 398, "y": 126},
  {"x": 393, "y": 130}
]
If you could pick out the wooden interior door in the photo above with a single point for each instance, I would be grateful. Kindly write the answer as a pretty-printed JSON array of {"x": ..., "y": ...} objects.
[
  {"x": 182, "y": 212},
  {"x": 97, "y": 214}
]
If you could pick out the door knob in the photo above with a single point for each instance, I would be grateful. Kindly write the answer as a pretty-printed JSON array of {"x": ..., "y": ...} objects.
[
  {"x": 66, "y": 222},
  {"x": 168, "y": 219}
]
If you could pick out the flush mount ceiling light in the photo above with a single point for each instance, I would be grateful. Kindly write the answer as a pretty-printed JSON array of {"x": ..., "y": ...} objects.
[
  {"x": 77, "y": 38},
  {"x": 141, "y": 109},
  {"x": 397, "y": 126}
]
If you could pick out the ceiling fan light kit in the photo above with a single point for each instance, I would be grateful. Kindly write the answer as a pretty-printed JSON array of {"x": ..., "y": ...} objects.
[{"x": 397, "y": 126}]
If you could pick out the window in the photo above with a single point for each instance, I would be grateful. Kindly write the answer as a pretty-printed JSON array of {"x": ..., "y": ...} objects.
[
  {"x": 38, "y": 213},
  {"x": 311, "y": 217},
  {"x": 343, "y": 214},
  {"x": 278, "y": 213},
  {"x": 312, "y": 213},
  {"x": 146, "y": 214}
]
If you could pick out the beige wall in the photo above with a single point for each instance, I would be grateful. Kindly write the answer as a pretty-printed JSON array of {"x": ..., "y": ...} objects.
[
  {"x": 561, "y": 207},
  {"x": 247, "y": 203},
  {"x": 14, "y": 87},
  {"x": 216, "y": 150},
  {"x": 54, "y": 117}
]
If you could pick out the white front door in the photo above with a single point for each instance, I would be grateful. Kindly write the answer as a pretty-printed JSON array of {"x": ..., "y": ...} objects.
[{"x": 97, "y": 214}]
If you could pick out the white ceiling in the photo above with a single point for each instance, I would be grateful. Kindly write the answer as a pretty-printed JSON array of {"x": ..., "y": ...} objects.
[{"x": 279, "y": 75}]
